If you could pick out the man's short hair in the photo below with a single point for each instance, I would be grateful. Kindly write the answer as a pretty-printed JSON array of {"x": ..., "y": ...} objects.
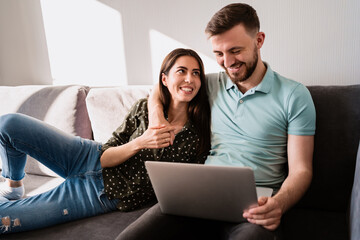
[{"x": 232, "y": 15}]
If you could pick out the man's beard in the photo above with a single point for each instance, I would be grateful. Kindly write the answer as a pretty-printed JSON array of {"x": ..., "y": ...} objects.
[{"x": 249, "y": 69}]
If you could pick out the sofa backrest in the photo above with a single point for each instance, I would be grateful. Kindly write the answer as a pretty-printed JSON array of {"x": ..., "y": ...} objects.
[
  {"x": 61, "y": 106},
  {"x": 107, "y": 108},
  {"x": 336, "y": 143}
]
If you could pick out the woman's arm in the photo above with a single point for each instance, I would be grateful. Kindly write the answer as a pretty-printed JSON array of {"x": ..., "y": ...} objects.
[{"x": 153, "y": 137}]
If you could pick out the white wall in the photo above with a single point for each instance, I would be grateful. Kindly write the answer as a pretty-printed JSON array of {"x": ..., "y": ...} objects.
[
  {"x": 23, "y": 51},
  {"x": 314, "y": 42}
]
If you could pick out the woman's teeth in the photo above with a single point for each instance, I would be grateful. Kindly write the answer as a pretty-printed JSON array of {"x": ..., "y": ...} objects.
[{"x": 185, "y": 89}]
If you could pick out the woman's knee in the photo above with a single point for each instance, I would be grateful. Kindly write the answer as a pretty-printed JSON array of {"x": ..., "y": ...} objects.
[{"x": 11, "y": 121}]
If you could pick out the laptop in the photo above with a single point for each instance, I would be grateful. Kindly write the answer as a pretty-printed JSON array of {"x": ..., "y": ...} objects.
[{"x": 204, "y": 191}]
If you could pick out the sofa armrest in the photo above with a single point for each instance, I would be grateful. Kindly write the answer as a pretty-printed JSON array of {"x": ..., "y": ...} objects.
[{"x": 355, "y": 202}]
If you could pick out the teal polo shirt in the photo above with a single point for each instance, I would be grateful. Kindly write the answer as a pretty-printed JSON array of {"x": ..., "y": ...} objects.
[{"x": 251, "y": 129}]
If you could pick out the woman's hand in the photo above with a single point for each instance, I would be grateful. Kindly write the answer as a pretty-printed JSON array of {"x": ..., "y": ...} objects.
[
  {"x": 156, "y": 137},
  {"x": 153, "y": 137}
]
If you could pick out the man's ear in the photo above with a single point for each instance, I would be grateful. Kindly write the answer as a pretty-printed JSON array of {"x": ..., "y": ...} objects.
[
  {"x": 260, "y": 38},
  {"x": 163, "y": 79}
]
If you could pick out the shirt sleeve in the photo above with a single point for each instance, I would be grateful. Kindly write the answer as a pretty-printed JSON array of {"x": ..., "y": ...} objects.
[
  {"x": 301, "y": 112},
  {"x": 123, "y": 133}
]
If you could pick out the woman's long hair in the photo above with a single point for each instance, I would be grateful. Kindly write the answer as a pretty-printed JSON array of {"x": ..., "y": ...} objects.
[{"x": 199, "y": 108}]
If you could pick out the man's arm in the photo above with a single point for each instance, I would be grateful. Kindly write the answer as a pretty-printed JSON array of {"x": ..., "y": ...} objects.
[
  {"x": 156, "y": 111},
  {"x": 270, "y": 209}
]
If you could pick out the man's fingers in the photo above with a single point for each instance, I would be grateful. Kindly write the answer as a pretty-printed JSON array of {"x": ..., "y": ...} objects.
[
  {"x": 163, "y": 128},
  {"x": 172, "y": 137},
  {"x": 262, "y": 200},
  {"x": 166, "y": 129},
  {"x": 157, "y": 127}
]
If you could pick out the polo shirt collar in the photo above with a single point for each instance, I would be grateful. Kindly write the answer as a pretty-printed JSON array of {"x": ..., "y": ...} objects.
[
  {"x": 267, "y": 82},
  {"x": 229, "y": 84},
  {"x": 264, "y": 86}
]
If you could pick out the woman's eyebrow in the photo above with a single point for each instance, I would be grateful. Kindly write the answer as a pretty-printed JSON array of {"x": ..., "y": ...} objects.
[{"x": 182, "y": 67}]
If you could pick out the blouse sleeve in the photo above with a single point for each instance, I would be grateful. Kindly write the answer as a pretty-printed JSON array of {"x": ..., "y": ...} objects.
[{"x": 122, "y": 134}]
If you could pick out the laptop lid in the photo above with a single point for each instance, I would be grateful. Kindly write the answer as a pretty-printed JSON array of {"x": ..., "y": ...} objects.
[{"x": 203, "y": 191}]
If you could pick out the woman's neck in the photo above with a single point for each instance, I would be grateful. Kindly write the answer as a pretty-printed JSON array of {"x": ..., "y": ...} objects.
[{"x": 178, "y": 115}]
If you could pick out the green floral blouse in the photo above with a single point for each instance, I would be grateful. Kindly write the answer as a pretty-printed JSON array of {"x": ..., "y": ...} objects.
[{"x": 129, "y": 181}]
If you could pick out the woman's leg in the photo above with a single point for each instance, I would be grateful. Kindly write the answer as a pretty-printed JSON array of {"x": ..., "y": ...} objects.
[
  {"x": 78, "y": 197},
  {"x": 63, "y": 153},
  {"x": 76, "y": 159}
]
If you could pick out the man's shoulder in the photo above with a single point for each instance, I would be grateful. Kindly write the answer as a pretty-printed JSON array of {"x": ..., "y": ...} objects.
[
  {"x": 212, "y": 76},
  {"x": 287, "y": 84},
  {"x": 213, "y": 83},
  {"x": 215, "y": 79}
]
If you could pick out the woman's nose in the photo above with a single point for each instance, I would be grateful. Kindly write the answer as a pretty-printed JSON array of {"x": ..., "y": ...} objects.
[{"x": 188, "y": 78}]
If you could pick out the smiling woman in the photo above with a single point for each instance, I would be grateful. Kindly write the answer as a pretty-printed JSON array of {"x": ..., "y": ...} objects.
[
  {"x": 101, "y": 178},
  {"x": 183, "y": 80}
]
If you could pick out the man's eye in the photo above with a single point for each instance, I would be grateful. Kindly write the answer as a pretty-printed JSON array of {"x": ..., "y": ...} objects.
[{"x": 219, "y": 54}]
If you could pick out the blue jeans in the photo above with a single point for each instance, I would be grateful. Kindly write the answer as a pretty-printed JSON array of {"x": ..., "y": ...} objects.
[{"x": 73, "y": 158}]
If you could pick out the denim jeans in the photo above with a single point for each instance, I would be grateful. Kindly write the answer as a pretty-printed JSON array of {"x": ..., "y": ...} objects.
[{"x": 73, "y": 158}]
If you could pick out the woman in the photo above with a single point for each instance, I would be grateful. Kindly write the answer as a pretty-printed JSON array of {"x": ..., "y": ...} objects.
[{"x": 102, "y": 178}]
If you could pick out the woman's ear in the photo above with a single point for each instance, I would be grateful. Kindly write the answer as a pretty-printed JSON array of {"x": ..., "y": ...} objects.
[{"x": 163, "y": 79}]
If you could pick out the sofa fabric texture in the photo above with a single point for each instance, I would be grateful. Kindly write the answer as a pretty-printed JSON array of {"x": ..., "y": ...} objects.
[
  {"x": 108, "y": 107},
  {"x": 324, "y": 212},
  {"x": 61, "y": 106}
]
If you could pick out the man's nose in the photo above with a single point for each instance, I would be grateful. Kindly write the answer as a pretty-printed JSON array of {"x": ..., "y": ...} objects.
[{"x": 229, "y": 60}]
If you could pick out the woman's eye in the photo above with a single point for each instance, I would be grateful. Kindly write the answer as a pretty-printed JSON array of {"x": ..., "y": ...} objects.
[
  {"x": 180, "y": 71},
  {"x": 196, "y": 73}
]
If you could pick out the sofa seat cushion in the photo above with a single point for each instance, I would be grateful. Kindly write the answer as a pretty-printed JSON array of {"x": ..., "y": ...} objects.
[
  {"x": 61, "y": 106},
  {"x": 104, "y": 227},
  {"x": 36, "y": 184},
  {"x": 297, "y": 224}
]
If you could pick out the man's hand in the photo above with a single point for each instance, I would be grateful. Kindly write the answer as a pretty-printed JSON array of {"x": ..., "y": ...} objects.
[
  {"x": 267, "y": 214},
  {"x": 156, "y": 137},
  {"x": 157, "y": 119}
]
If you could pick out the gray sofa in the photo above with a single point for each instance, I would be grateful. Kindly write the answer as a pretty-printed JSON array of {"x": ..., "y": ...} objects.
[{"x": 324, "y": 212}]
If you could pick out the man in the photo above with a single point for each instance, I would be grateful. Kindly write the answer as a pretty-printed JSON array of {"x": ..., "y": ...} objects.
[{"x": 259, "y": 119}]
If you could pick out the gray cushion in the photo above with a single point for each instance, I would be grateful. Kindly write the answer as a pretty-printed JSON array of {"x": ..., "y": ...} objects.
[{"x": 61, "y": 106}]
